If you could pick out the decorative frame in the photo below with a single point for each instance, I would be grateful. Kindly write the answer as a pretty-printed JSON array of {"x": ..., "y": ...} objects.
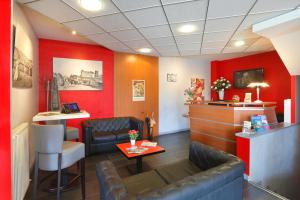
[
  {"x": 22, "y": 66},
  {"x": 76, "y": 74},
  {"x": 138, "y": 90},
  {"x": 171, "y": 77}
]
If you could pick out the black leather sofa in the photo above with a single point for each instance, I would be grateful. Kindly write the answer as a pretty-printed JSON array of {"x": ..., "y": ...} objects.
[
  {"x": 101, "y": 135},
  {"x": 207, "y": 174}
]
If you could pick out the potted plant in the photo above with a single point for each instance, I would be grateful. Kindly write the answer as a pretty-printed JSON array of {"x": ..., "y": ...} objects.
[
  {"x": 189, "y": 93},
  {"x": 220, "y": 85},
  {"x": 133, "y": 135}
]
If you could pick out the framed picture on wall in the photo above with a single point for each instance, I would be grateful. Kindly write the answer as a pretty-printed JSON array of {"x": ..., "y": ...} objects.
[
  {"x": 138, "y": 90},
  {"x": 171, "y": 77},
  {"x": 76, "y": 74},
  {"x": 22, "y": 64}
]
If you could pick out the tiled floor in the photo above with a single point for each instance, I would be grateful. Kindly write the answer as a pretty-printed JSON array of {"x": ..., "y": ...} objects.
[{"x": 176, "y": 146}]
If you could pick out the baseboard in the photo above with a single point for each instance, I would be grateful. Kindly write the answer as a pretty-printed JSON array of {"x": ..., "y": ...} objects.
[{"x": 174, "y": 131}]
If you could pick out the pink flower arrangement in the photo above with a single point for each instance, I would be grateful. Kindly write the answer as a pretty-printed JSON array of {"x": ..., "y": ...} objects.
[{"x": 133, "y": 134}]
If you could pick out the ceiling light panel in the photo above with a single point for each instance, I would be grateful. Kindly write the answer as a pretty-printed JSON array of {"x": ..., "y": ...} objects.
[
  {"x": 103, "y": 38},
  {"x": 115, "y": 22},
  {"x": 184, "y": 12},
  {"x": 126, "y": 5},
  {"x": 156, "y": 31},
  {"x": 228, "y": 8},
  {"x": 107, "y": 8},
  {"x": 162, "y": 41},
  {"x": 225, "y": 24},
  {"x": 198, "y": 25},
  {"x": 274, "y": 5},
  {"x": 55, "y": 9},
  {"x": 128, "y": 35},
  {"x": 187, "y": 39},
  {"x": 84, "y": 27},
  {"x": 241, "y": 43},
  {"x": 147, "y": 17}
]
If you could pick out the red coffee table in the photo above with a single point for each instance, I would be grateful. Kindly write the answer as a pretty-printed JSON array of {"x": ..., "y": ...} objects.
[{"x": 139, "y": 162}]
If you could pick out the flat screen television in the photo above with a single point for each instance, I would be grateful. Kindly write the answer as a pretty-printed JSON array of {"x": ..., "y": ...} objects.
[{"x": 243, "y": 78}]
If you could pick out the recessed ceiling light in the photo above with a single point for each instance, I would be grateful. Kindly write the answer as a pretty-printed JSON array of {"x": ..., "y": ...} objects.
[
  {"x": 188, "y": 28},
  {"x": 145, "y": 50},
  {"x": 91, "y": 5},
  {"x": 74, "y": 32},
  {"x": 239, "y": 43}
]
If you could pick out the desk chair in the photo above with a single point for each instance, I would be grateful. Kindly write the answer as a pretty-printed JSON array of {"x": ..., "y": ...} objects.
[{"x": 52, "y": 153}]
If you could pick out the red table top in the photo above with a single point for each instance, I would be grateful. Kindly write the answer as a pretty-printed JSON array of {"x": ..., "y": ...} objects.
[{"x": 151, "y": 150}]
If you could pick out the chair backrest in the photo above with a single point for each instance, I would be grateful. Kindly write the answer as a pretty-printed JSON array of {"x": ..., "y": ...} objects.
[{"x": 48, "y": 138}]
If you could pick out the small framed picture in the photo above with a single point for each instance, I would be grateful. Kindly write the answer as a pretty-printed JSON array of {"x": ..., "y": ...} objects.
[
  {"x": 138, "y": 90},
  {"x": 171, "y": 77}
]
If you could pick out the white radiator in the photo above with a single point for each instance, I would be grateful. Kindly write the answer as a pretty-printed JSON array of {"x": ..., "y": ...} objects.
[{"x": 20, "y": 160}]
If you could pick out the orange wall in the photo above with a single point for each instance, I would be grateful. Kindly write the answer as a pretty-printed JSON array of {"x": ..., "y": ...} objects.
[{"x": 130, "y": 67}]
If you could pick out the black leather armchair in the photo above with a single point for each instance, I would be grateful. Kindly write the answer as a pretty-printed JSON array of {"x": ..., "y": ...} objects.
[
  {"x": 208, "y": 174},
  {"x": 101, "y": 135}
]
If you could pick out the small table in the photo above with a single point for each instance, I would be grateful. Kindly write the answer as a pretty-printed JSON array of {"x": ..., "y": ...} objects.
[
  {"x": 139, "y": 162},
  {"x": 57, "y": 115}
]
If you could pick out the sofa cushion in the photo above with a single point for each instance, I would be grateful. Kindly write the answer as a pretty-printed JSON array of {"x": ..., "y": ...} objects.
[
  {"x": 143, "y": 182},
  {"x": 176, "y": 171},
  {"x": 103, "y": 137},
  {"x": 122, "y": 134}
]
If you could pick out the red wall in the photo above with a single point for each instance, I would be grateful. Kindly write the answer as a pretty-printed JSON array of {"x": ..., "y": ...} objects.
[
  {"x": 275, "y": 73},
  {"x": 5, "y": 59},
  {"x": 98, "y": 103}
]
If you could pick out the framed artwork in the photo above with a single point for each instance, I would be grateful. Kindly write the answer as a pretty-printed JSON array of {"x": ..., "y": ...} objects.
[
  {"x": 138, "y": 90},
  {"x": 198, "y": 85},
  {"x": 21, "y": 66},
  {"x": 171, "y": 77},
  {"x": 75, "y": 74}
]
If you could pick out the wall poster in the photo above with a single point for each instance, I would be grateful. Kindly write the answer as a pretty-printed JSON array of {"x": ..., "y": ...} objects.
[{"x": 138, "y": 90}]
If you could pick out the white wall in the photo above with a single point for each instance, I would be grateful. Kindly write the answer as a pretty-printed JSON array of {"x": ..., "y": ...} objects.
[
  {"x": 171, "y": 94},
  {"x": 24, "y": 102}
]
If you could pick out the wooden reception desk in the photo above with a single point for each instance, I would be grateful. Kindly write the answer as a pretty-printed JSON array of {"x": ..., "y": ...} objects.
[{"x": 215, "y": 123}]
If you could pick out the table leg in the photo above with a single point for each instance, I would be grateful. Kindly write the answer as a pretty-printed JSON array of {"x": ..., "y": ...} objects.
[
  {"x": 64, "y": 123},
  {"x": 139, "y": 164}
]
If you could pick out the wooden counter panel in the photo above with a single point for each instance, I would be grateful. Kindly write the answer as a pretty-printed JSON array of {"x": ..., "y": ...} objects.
[
  {"x": 214, "y": 113},
  {"x": 226, "y": 146},
  {"x": 215, "y": 128}
]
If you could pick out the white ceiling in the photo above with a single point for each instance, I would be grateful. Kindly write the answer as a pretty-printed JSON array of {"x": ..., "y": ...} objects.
[{"x": 128, "y": 25}]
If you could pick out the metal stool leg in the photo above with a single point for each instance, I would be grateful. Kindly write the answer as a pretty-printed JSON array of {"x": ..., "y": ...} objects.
[
  {"x": 59, "y": 176},
  {"x": 82, "y": 168},
  {"x": 35, "y": 177}
]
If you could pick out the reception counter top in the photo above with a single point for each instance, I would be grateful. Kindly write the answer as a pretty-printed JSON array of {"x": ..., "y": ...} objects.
[{"x": 215, "y": 123}]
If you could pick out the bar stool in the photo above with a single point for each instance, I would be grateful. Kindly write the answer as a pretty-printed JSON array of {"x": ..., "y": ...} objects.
[{"x": 52, "y": 153}]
